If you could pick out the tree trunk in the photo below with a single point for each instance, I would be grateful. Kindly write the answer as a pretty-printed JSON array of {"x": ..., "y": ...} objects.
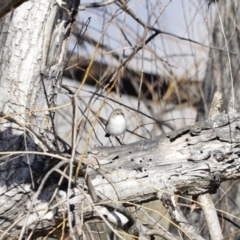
[
  {"x": 33, "y": 49},
  {"x": 223, "y": 66},
  {"x": 222, "y": 73}
]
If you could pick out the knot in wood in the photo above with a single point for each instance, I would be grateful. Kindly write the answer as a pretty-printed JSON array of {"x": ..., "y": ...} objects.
[{"x": 218, "y": 155}]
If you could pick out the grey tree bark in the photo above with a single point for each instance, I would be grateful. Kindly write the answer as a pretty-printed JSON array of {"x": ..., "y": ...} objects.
[
  {"x": 222, "y": 75},
  {"x": 220, "y": 72},
  {"x": 33, "y": 54},
  {"x": 39, "y": 197}
]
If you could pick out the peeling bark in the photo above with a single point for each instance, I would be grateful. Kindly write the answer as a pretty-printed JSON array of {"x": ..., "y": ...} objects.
[
  {"x": 34, "y": 197},
  {"x": 222, "y": 72},
  {"x": 33, "y": 49},
  {"x": 191, "y": 163}
]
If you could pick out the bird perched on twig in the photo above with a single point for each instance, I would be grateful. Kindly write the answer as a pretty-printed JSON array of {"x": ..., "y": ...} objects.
[{"x": 116, "y": 124}]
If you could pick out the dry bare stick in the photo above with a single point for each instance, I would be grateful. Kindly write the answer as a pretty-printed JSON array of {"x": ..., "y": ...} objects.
[
  {"x": 74, "y": 136},
  {"x": 170, "y": 204},
  {"x": 103, "y": 213},
  {"x": 207, "y": 204},
  {"x": 228, "y": 55},
  {"x": 159, "y": 31},
  {"x": 102, "y": 120}
]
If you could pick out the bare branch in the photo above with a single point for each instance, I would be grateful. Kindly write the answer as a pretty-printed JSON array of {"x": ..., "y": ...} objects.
[
  {"x": 96, "y": 4},
  {"x": 206, "y": 201},
  {"x": 159, "y": 31}
]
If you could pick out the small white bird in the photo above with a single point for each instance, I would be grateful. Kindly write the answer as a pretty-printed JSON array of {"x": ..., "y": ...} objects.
[{"x": 116, "y": 124}]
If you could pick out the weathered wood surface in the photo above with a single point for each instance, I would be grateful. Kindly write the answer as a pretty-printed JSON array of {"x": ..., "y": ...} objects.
[
  {"x": 33, "y": 40},
  {"x": 222, "y": 73},
  {"x": 192, "y": 160}
]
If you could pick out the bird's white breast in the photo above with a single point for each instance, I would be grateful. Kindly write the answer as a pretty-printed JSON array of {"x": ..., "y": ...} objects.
[{"x": 117, "y": 125}]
